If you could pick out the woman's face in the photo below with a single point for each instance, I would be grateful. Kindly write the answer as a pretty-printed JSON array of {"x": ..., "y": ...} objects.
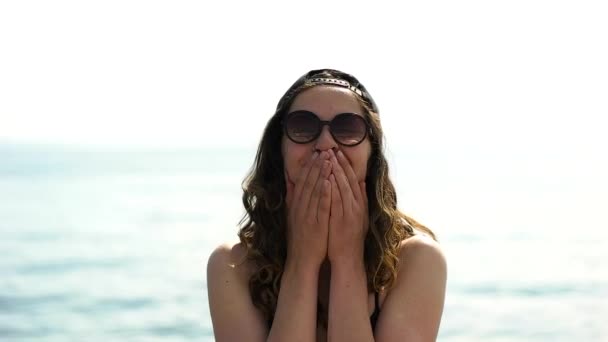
[{"x": 326, "y": 102}]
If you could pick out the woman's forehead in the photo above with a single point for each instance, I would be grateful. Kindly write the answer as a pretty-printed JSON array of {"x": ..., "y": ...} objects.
[{"x": 327, "y": 101}]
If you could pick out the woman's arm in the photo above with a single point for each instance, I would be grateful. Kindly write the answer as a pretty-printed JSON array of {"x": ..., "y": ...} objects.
[
  {"x": 412, "y": 309},
  {"x": 234, "y": 316},
  {"x": 296, "y": 315},
  {"x": 348, "y": 311}
]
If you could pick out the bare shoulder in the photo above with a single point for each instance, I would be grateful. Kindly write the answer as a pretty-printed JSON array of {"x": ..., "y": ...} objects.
[
  {"x": 228, "y": 253},
  {"x": 422, "y": 262},
  {"x": 413, "y": 307},
  {"x": 230, "y": 303},
  {"x": 424, "y": 250},
  {"x": 229, "y": 259}
]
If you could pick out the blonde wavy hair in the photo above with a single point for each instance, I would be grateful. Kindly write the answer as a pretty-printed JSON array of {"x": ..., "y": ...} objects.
[{"x": 263, "y": 226}]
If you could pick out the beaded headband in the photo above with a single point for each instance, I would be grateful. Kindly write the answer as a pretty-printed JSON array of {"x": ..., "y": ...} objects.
[
  {"x": 334, "y": 81},
  {"x": 316, "y": 77}
]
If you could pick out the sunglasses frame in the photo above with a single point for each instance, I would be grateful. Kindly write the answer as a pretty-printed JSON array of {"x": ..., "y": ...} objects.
[{"x": 324, "y": 123}]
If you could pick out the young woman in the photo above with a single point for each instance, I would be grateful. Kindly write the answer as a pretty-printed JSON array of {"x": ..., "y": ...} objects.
[{"x": 324, "y": 253}]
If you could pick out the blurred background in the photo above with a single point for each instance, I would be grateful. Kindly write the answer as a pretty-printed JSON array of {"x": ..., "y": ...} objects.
[{"x": 126, "y": 128}]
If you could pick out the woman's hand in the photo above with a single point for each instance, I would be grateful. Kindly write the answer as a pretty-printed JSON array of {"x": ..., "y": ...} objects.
[
  {"x": 349, "y": 219},
  {"x": 308, "y": 204}
]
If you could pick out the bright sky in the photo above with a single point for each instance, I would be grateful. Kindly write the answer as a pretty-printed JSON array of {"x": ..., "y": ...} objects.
[
  {"x": 521, "y": 86},
  {"x": 510, "y": 75}
]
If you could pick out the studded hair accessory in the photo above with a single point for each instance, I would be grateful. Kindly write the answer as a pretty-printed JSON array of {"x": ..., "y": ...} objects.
[
  {"x": 329, "y": 77},
  {"x": 334, "y": 81}
]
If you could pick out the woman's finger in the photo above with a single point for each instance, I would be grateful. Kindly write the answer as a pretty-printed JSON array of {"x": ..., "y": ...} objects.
[
  {"x": 336, "y": 199},
  {"x": 350, "y": 175},
  {"x": 311, "y": 181},
  {"x": 302, "y": 176},
  {"x": 325, "y": 202},
  {"x": 315, "y": 197},
  {"x": 346, "y": 193}
]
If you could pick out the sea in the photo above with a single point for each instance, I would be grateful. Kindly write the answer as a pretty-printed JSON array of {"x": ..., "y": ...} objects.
[{"x": 110, "y": 243}]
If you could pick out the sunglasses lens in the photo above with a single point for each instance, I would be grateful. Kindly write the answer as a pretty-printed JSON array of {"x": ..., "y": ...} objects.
[
  {"x": 302, "y": 127},
  {"x": 349, "y": 129}
]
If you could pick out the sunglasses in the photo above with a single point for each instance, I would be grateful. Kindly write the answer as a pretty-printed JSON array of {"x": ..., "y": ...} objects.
[{"x": 347, "y": 129}]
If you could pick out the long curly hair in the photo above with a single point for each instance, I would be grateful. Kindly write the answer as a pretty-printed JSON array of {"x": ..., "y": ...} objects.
[{"x": 263, "y": 226}]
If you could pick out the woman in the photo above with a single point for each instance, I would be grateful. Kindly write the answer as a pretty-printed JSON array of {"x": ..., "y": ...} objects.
[{"x": 324, "y": 253}]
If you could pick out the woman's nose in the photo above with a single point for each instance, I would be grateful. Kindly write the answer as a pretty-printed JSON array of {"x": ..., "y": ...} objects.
[{"x": 325, "y": 141}]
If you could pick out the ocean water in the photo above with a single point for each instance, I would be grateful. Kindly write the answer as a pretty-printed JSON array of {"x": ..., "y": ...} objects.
[{"x": 111, "y": 244}]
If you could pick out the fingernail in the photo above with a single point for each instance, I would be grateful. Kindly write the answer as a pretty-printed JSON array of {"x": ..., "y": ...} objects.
[
  {"x": 326, "y": 165},
  {"x": 340, "y": 154},
  {"x": 315, "y": 155}
]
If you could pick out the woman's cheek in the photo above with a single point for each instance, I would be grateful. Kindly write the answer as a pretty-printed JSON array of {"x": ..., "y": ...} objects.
[
  {"x": 294, "y": 168},
  {"x": 361, "y": 171}
]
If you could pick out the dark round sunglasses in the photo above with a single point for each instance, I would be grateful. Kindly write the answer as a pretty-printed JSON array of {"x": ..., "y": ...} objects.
[{"x": 347, "y": 129}]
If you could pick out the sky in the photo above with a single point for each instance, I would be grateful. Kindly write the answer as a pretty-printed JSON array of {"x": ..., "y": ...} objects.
[
  {"x": 482, "y": 75},
  {"x": 470, "y": 92}
]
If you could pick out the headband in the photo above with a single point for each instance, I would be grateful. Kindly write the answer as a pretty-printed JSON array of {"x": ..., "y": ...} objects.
[
  {"x": 335, "y": 81},
  {"x": 316, "y": 77}
]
